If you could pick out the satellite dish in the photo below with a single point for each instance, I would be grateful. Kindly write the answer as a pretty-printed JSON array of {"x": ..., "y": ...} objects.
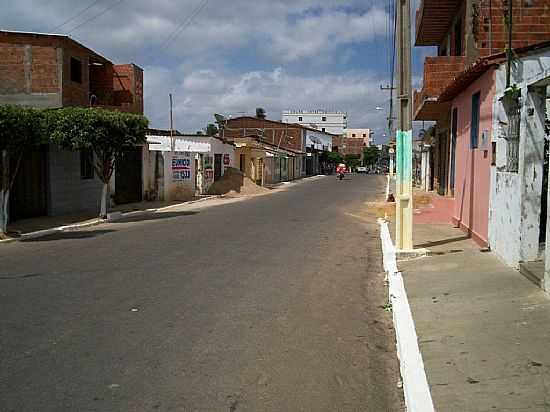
[{"x": 220, "y": 119}]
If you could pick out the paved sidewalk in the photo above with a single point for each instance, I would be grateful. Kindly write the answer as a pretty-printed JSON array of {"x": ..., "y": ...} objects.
[
  {"x": 483, "y": 329},
  {"x": 46, "y": 222}
]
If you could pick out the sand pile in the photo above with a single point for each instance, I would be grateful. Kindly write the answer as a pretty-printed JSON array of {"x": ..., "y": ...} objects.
[{"x": 235, "y": 183}]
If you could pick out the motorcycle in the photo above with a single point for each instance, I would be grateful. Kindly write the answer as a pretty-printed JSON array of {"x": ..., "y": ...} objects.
[{"x": 341, "y": 175}]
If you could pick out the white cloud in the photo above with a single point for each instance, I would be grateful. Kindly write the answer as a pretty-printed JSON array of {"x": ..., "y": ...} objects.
[{"x": 198, "y": 94}]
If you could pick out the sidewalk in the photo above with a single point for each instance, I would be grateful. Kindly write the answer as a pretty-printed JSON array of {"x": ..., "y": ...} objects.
[
  {"x": 46, "y": 222},
  {"x": 483, "y": 329}
]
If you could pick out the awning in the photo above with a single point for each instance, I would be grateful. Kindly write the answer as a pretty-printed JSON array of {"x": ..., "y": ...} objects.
[{"x": 181, "y": 144}]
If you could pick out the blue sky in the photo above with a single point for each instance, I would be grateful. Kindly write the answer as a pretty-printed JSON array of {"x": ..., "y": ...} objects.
[{"x": 233, "y": 56}]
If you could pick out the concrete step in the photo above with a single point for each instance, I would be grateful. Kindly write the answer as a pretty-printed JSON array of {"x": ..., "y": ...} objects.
[{"x": 534, "y": 271}]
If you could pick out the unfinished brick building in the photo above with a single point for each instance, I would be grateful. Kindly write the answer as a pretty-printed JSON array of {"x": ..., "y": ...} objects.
[{"x": 54, "y": 71}]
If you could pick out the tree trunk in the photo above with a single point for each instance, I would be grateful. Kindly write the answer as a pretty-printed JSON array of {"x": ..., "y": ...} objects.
[
  {"x": 4, "y": 212},
  {"x": 4, "y": 192},
  {"x": 104, "y": 201}
]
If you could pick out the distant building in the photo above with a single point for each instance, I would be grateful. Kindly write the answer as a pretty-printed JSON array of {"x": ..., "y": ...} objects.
[
  {"x": 325, "y": 121},
  {"x": 363, "y": 134}
]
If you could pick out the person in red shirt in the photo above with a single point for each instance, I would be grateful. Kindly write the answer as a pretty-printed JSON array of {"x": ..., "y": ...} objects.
[{"x": 341, "y": 170}]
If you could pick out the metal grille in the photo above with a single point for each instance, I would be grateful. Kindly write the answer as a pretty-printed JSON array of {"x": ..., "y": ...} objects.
[{"x": 512, "y": 138}]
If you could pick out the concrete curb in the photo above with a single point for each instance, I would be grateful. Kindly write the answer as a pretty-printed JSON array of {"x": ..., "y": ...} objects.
[
  {"x": 47, "y": 232},
  {"x": 415, "y": 383}
]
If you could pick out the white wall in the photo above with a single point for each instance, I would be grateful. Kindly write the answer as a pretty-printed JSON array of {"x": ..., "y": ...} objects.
[
  {"x": 335, "y": 122},
  {"x": 184, "y": 187},
  {"x": 515, "y": 197}
]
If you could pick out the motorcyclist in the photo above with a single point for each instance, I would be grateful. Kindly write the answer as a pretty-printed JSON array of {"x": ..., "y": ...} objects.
[{"x": 341, "y": 170}]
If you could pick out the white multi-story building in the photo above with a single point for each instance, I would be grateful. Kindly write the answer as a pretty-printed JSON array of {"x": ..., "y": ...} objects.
[
  {"x": 364, "y": 134},
  {"x": 325, "y": 121}
]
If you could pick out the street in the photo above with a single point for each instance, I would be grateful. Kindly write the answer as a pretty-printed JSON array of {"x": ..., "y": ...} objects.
[{"x": 273, "y": 303}]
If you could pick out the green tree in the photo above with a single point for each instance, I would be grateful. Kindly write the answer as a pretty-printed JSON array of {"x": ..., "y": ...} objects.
[
  {"x": 211, "y": 129},
  {"x": 371, "y": 155},
  {"x": 334, "y": 158},
  {"x": 20, "y": 129},
  {"x": 352, "y": 161},
  {"x": 107, "y": 133}
]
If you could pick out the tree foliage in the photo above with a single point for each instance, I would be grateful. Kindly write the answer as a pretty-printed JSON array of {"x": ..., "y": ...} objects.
[
  {"x": 211, "y": 129},
  {"x": 352, "y": 160},
  {"x": 20, "y": 129},
  {"x": 107, "y": 133},
  {"x": 334, "y": 158},
  {"x": 371, "y": 155}
]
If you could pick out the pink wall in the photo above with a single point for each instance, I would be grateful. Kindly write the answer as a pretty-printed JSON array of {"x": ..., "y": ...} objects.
[{"x": 473, "y": 166}]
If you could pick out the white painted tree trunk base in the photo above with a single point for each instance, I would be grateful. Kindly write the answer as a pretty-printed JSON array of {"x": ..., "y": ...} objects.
[{"x": 4, "y": 203}]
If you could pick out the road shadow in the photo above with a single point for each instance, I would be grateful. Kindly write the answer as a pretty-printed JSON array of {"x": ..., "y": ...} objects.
[
  {"x": 25, "y": 276},
  {"x": 443, "y": 242},
  {"x": 69, "y": 235},
  {"x": 154, "y": 216}
]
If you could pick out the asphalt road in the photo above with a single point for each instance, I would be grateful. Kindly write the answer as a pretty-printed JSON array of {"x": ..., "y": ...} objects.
[{"x": 267, "y": 304}]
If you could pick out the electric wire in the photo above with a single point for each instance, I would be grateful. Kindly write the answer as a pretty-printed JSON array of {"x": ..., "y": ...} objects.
[
  {"x": 95, "y": 16},
  {"x": 80, "y": 13}
]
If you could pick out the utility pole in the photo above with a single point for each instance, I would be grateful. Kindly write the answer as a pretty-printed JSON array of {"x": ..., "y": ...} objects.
[
  {"x": 404, "y": 198},
  {"x": 172, "y": 142},
  {"x": 509, "y": 48},
  {"x": 390, "y": 124}
]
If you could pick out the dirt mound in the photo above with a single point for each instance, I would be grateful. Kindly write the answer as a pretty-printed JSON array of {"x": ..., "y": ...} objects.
[
  {"x": 235, "y": 183},
  {"x": 381, "y": 209}
]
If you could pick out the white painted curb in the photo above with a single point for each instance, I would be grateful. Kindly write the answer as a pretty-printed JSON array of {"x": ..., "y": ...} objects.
[{"x": 415, "y": 383}]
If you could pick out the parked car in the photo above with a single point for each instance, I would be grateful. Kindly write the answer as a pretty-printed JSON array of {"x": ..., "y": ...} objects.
[{"x": 361, "y": 169}]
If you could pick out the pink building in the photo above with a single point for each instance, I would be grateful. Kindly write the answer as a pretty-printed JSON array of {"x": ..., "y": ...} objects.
[{"x": 470, "y": 157}]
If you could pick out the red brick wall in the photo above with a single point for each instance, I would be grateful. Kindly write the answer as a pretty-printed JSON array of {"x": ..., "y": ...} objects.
[
  {"x": 127, "y": 86},
  {"x": 439, "y": 72},
  {"x": 76, "y": 94},
  {"x": 531, "y": 24},
  {"x": 118, "y": 87},
  {"x": 354, "y": 146},
  {"x": 44, "y": 69},
  {"x": 276, "y": 133},
  {"x": 40, "y": 62},
  {"x": 12, "y": 74}
]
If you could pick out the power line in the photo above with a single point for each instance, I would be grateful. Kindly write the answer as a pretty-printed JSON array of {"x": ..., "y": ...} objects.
[
  {"x": 186, "y": 23},
  {"x": 149, "y": 59},
  {"x": 95, "y": 16},
  {"x": 80, "y": 13}
]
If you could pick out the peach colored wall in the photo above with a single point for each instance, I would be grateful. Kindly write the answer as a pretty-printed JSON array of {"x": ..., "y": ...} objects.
[{"x": 473, "y": 167}]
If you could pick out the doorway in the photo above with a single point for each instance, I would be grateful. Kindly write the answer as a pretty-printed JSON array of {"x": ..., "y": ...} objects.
[
  {"x": 128, "y": 176},
  {"x": 28, "y": 195},
  {"x": 217, "y": 167}
]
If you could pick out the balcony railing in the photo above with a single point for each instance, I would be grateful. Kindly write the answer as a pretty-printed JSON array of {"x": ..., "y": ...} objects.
[{"x": 439, "y": 72}]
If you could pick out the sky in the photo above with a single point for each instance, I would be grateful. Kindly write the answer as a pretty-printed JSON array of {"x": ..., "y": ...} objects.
[{"x": 229, "y": 57}]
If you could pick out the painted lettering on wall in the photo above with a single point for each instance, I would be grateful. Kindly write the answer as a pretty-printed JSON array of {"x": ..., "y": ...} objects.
[
  {"x": 208, "y": 169},
  {"x": 181, "y": 168}
]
